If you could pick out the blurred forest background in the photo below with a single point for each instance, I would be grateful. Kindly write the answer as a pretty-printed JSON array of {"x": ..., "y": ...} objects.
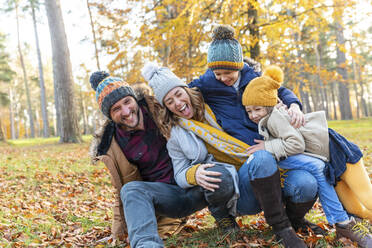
[{"x": 324, "y": 47}]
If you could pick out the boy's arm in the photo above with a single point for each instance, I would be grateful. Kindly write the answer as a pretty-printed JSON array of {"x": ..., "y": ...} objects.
[
  {"x": 294, "y": 106},
  {"x": 288, "y": 97},
  {"x": 195, "y": 83},
  {"x": 287, "y": 140}
]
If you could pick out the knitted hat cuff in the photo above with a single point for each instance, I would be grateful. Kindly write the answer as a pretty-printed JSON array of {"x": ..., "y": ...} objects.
[
  {"x": 226, "y": 65},
  {"x": 163, "y": 87},
  {"x": 252, "y": 101},
  {"x": 113, "y": 97}
]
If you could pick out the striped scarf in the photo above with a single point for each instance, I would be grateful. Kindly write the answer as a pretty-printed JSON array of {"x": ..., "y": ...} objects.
[{"x": 224, "y": 147}]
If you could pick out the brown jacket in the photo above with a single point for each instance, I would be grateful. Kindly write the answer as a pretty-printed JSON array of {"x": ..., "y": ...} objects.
[{"x": 122, "y": 172}]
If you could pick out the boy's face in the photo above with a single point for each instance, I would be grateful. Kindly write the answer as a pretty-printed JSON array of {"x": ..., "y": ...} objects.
[
  {"x": 227, "y": 77},
  {"x": 256, "y": 113}
]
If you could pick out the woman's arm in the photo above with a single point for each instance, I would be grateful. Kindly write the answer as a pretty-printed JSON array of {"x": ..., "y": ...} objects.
[
  {"x": 181, "y": 164},
  {"x": 187, "y": 174}
]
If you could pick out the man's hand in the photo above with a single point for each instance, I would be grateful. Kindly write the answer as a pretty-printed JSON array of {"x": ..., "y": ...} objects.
[
  {"x": 259, "y": 146},
  {"x": 297, "y": 117},
  {"x": 207, "y": 179}
]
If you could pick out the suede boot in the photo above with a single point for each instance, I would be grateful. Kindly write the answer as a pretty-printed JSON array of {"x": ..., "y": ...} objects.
[
  {"x": 296, "y": 213},
  {"x": 269, "y": 193}
]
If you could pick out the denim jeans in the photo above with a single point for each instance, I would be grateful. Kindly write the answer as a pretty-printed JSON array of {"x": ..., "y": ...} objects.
[
  {"x": 332, "y": 206},
  {"x": 141, "y": 200},
  {"x": 299, "y": 185}
]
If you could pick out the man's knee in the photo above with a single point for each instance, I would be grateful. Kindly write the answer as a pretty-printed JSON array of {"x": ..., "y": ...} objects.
[
  {"x": 131, "y": 188},
  {"x": 261, "y": 164}
]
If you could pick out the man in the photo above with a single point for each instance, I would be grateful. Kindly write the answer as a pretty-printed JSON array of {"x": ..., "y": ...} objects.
[{"x": 135, "y": 153}]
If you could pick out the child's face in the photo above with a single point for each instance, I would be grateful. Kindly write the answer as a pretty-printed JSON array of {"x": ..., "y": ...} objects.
[
  {"x": 227, "y": 77},
  {"x": 256, "y": 113}
]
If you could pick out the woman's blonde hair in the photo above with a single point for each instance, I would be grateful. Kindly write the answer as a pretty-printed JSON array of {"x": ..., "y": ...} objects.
[{"x": 165, "y": 119}]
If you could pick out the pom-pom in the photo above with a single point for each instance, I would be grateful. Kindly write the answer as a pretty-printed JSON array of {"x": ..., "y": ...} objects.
[
  {"x": 275, "y": 73},
  {"x": 97, "y": 77},
  {"x": 149, "y": 70},
  {"x": 223, "y": 32}
]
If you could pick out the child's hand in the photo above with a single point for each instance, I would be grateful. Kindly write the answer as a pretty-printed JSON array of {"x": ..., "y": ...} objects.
[
  {"x": 259, "y": 146},
  {"x": 297, "y": 117}
]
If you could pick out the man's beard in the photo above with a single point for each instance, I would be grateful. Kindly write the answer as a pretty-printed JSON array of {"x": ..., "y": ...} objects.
[{"x": 122, "y": 124}]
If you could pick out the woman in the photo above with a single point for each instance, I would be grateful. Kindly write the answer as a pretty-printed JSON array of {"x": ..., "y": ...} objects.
[{"x": 185, "y": 108}]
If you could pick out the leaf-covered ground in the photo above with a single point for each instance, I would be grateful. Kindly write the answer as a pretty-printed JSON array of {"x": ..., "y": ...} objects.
[{"x": 51, "y": 196}]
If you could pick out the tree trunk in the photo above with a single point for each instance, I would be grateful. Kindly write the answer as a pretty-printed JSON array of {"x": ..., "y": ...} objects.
[
  {"x": 333, "y": 94},
  {"x": 94, "y": 35},
  {"x": 363, "y": 101},
  {"x": 29, "y": 107},
  {"x": 82, "y": 112},
  {"x": 343, "y": 90},
  {"x": 326, "y": 102},
  {"x": 11, "y": 115},
  {"x": 356, "y": 80},
  {"x": 43, "y": 104},
  {"x": 323, "y": 95},
  {"x": 62, "y": 73},
  {"x": 254, "y": 33},
  {"x": 2, "y": 136}
]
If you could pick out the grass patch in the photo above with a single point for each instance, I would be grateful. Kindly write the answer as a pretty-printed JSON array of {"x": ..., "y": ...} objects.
[{"x": 51, "y": 195}]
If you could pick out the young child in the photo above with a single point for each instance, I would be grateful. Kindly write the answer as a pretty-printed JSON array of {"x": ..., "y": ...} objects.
[{"x": 294, "y": 148}]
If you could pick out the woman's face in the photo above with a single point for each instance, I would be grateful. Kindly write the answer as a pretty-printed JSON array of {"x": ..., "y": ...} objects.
[
  {"x": 227, "y": 77},
  {"x": 178, "y": 102},
  {"x": 256, "y": 113}
]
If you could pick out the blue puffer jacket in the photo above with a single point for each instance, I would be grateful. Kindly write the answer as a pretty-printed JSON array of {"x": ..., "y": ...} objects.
[
  {"x": 341, "y": 151},
  {"x": 226, "y": 103}
]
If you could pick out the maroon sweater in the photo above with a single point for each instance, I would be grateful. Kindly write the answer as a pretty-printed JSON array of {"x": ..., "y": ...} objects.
[{"x": 147, "y": 149}]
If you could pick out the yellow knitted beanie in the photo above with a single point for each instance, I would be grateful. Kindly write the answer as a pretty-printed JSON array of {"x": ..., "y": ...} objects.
[{"x": 263, "y": 91}]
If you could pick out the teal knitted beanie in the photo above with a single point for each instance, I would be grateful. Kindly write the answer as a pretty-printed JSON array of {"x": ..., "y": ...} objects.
[{"x": 225, "y": 52}]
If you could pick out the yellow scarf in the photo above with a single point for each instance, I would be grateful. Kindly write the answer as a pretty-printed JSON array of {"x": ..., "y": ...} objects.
[{"x": 224, "y": 147}]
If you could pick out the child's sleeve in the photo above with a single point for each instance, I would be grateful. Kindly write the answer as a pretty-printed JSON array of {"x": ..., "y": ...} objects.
[{"x": 287, "y": 140}]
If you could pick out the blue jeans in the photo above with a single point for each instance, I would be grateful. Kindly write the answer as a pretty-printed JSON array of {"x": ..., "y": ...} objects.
[
  {"x": 141, "y": 200},
  {"x": 332, "y": 206},
  {"x": 299, "y": 185}
]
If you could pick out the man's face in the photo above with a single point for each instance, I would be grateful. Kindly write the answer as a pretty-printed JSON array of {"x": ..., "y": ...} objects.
[
  {"x": 227, "y": 77},
  {"x": 126, "y": 113}
]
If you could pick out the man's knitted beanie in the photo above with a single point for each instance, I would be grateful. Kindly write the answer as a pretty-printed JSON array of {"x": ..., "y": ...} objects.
[
  {"x": 225, "y": 52},
  {"x": 263, "y": 91},
  {"x": 109, "y": 90},
  {"x": 161, "y": 80}
]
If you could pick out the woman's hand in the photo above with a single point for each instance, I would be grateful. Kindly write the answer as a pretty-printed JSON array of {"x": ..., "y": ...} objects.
[
  {"x": 259, "y": 146},
  {"x": 297, "y": 117},
  {"x": 207, "y": 179}
]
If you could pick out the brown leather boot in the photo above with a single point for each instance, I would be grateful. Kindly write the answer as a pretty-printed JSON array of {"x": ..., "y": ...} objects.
[
  {"x": 269, "y": 193},
  {"x": 296, "y": 213}
]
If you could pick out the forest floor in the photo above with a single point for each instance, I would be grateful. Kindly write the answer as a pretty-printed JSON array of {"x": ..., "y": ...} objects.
[{"x": 52, "y": 196}]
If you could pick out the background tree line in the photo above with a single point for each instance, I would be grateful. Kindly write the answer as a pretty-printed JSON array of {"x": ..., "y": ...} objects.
[{"x": 325, "y": 56}]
